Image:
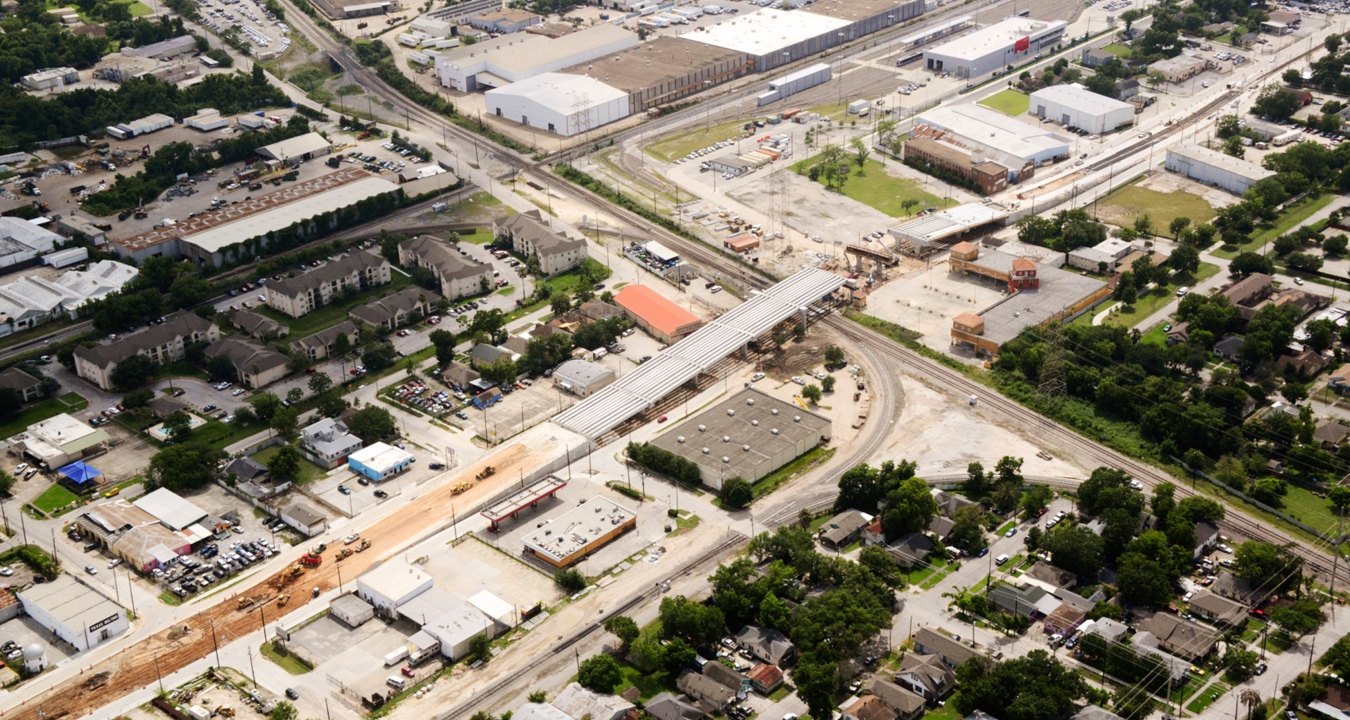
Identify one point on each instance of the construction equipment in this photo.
(460, 487)
(485, 473)
(311, 560)
(344, 553)
(97, 680)
(364, 544)
(282, 600)
(225, 711)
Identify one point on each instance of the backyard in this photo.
(1301, 504)
(1123, 205)
(39, 411)
(1008, 102)
(873, 186)
(1120, 51)
(309, 472)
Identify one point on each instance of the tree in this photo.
(834, 357)
(1267, 566)
(736, 493)
(860, 153)
(266, 405)
(880, 563)
(480, 648)
(1250, 262)
(295, 394)
(1335, 246)
(909, 508)
(1034, 500)
(700, 625)
(6, 483)
(378, 356)
(319, 383)
(283, 710)
(1240, 663)
(133, 372)
(1185, 259)
(444, 341)
(1076, 549)
(624, 628)
(184, 466)
(570, 580)
(500, 372)
(600, 673)
(1299, 617)
(177, 425)
(811, 393)
(977, 482)
(284, 466)
(1276, 102)
(968, 529)
(774, 613)
(1032, 687)
(827, 384)
(371, 423)
(285, 422)
(329, 405)
(1142, 581)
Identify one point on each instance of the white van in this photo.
(1001, 559)
(397, 682)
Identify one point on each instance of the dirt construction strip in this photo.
(132, 669)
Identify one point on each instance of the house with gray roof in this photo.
(1181, 637)
(459, 376)
(582, 377)
(164, 343)
(906, 704)
(1095, 712)
(725, 675)
(910, 550)
(328, 442)
(926, 675)
(485, 354)
(765, 644)
(842, 529)
(1217, 609)
(28, 387)
(258, 325)
(709, 695)
(323, 344)
(928, 641)
(254, 365)
(400, 308)
(459, 275)
(1024, 600)
(351, 273)
(666, 706)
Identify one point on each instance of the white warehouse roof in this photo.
(995, 130)
(297, 146)
(170, 508)
(1080, 98)
(994, 38)
(395, 579)
(71, 602)
(767, 30)
(705, 347)
(565, 94)
(1214, 158)
(380, 456)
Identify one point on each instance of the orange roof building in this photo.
(656, 315)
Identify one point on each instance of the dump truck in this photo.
(311, 560)
(485, 473)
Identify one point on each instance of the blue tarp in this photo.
(81, 473)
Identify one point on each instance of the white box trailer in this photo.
(408, 39)
(859, 107)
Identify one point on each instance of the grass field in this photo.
(1008, 102)
(1302, 505)
(288, 662)
(39, 411)
(1288, 220)
(1208, 696)
(477, 237)
(1120, 51)
(309, 472)
(1124, 204)
(1153, 300)
(882, 191)
(680, 145)
(55, 499)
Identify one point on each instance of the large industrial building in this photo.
(392, 584)
(988, 136)
(222, 236)
(32, 300)
(657, 316)
(664, 70)
(148, 533)
(515, 57)
(561, 104)
(22, 240)
(1212, 167)
(1074, 106)
(571, 537)
(748, 435)
(74, 612)
(1037, 295)
(995, 48)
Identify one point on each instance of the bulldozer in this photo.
(283, 599)
(460, 487)
(485, 473)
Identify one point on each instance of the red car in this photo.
(661, 419)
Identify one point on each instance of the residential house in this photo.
(28, 387)
(1180, 637)
(910, 550)
(324, 344)
(765, 678)
(314, 288)
(907, 705)
(164, 343)
(709, 695)
(725, 675)
(872, 533)
(246, 469)
(254, 365)
(1126, 89)
(1096, 57)
(1029, 601)
(1206, 538)
(1064, 619)
(765, 644)
(1146, 642)
(257, 325)
(665, 706)
(484, 354)
(579, 702)
(1057, 576)
(1339, 380)
(400, 308)
(926, 675)
(1235, 588)
(1305, 364)
(843, 529)
(459, 276)
(868, 707)
(941, 528)
(1230, 348)
(165, 405)
(1329, 434)
(531, 236)
(459, 376)
(952, 652)
(1217, 609)
(1109, 630)
(949, 503)
(1094, 712)
(1247, 293)
(328, 442)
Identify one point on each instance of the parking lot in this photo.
(24, 631)
(268, 36)
(352, 658)
(343, 489)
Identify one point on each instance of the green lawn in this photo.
(288, 662)
(335, 312)
(1122, 205)
(55, 500)
(218, 434)
(1301, 504)
(138, 9)
(309, 472)
(482, 236)
(1288, 220)
(1153, 300)
(39, 411)
(882, 191)
(1120, 51)
(946, 712)
(775, 479)
(671, 148)
(564, 283)
(1155, 336)
(1208, 696)
(1008, 102)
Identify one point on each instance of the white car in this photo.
(20, 467)
(238, 391)
(757, 377)
(91, 569)
(6, 571)
(799, 379)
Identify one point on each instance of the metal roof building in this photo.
(392, 584)
(570, 537)
(74, 612)
(170, 508)
(514, 57)
(298, 148)
(562, 104)
(1011, 142)
(1215, 168)
(705, 347)
(1075, 106)
(995, 47)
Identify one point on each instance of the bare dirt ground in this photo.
(126, 672)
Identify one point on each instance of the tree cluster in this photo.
(664, 462)
(1066, 230)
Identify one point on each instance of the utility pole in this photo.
(215, 645)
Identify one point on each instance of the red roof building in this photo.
(656, 315)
